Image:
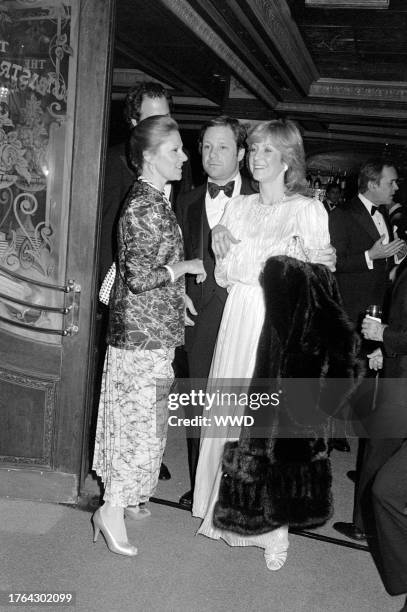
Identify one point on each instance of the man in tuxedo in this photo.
(363, 241)
(222, 146)
(332, 198)
(385, 460)
(365, 255)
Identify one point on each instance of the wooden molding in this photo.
(38, 485)
(391, 91)
(278, 24)
(128, 77)
(317, 109)
(367, 129)
(27, 395)
(249, 26)
(183, 11)
(373, 138)
(348, 4)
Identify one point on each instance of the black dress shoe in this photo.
(339, 444)
(350, 531)
(186, 500)
(164, 472)
(351, 475)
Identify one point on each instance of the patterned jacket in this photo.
(146, 308)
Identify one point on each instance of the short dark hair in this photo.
(238, 129)
(148, 135)
(136, 95)
(331, 186)
(371, 170)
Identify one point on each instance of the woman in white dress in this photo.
(277, 221)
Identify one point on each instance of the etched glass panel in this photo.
(37, 66)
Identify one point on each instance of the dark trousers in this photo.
(372, 455)
(362, 405)
(389, 503)
(199, 356)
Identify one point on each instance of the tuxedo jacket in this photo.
(353, 232)
(386, 426)
(393, 388)
(208, 297)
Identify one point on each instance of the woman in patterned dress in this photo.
(146, 323)
(279, 220)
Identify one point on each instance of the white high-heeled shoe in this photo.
(120, 548)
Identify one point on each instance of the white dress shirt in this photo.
(379, 222)
(215, 206)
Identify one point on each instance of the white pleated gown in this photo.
(263, 231)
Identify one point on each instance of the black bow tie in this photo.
(374, 209)
(213, 189)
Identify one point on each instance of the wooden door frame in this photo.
(95, 55)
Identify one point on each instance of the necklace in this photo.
(273, 202)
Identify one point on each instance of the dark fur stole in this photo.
(279, 471)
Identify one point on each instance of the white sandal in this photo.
(275, 559)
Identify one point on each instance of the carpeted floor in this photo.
(49, 548)
(176, 570)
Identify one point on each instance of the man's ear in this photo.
(240, 154)
(372, 185)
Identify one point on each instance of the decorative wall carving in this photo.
(355, 90)
(316, 108)
(350, 4)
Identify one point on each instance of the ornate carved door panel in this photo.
(54, 60)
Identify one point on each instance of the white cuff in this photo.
(369, 261)
(171, 272)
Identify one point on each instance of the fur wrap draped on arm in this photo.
(279, 471)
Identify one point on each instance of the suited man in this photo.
(333, 194)
(222, 145)
(365, 254)
(362, 239)
(385, 459)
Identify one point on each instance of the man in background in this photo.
(365, 252)
(144, 100)
(333, 194)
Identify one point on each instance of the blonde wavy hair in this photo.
(285, 136)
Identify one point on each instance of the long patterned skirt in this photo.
(132, 423)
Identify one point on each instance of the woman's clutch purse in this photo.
(297, 249)
(106, 287)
